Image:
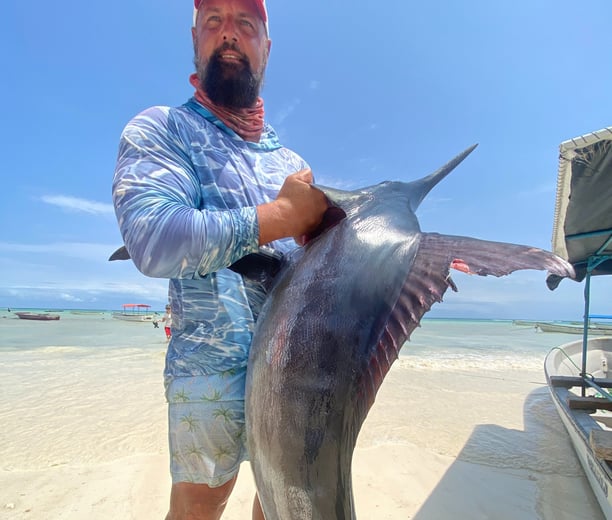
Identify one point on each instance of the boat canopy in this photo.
(582, 227)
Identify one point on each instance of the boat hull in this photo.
(562, 368)
(37, 316)
(133, 317)
(566, 328)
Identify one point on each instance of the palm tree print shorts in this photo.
(206, 427)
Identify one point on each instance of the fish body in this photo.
(337, 314)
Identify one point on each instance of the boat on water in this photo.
(594, 329)
(524, 323)
(134, 312)
(578, 373)
(38, 316)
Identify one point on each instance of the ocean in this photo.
(479, 345)
(57, 367)
(88, 390)
(88, 377)
(438, 343)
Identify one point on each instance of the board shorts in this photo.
(206, 430)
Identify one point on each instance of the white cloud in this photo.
(70, 298)
(76, 292)
(82, 250)
(75, 204)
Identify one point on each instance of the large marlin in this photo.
(338, 313)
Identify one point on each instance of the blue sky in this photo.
(365, 91)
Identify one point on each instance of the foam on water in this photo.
(476, 345)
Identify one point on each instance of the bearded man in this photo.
(197, 188)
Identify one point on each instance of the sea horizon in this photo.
(11, 309)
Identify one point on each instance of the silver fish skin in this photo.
(334, 321)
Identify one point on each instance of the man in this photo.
(196, 188)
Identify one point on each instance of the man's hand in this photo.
(297, 210)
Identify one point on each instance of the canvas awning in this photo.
(582, 228)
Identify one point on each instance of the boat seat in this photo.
(601, 443)
(570, 381)
(589, 403)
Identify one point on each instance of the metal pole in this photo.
(585, 331)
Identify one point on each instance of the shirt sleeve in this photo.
(157, 199)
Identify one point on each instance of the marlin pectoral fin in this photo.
(482, 257)
(429, 278)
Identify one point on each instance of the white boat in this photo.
(37, 316)
(134, 312)
(571, 328)
(578, 373)
(524, 323)
(585, 410)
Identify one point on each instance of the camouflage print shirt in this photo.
(185, 192)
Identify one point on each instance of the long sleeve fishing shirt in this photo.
(185, 192)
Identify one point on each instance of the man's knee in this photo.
(198, 501)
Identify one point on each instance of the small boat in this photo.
(574, 328)
(524, 323)
(578, 373)
(134, 312)
(585, 409)
(39, 316)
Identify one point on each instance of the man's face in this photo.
(231, 51)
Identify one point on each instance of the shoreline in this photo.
(436, 445)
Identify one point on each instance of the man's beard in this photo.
(226, 84)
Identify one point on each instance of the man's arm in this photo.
(156, 196)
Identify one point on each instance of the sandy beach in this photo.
(84, 436)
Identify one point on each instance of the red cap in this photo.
(260, 5)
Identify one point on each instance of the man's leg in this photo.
(257, 512)
(199, 501)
